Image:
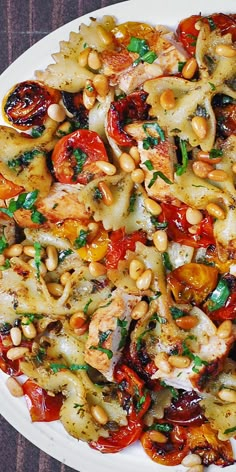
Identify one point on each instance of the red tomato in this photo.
(75, 155)
(178, 226)
(8, 189)
(27, 103)
(6, 365)
(41, 406)
(185, 410)
(133, 107)
(228, 312)
(120, 243)
(188, 34)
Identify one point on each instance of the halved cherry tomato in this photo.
(97, 248)
(6, 365)
(120, 243)
(185, 410)
(75, 155)
(228, 312)
(75, 105)
(41, 406)
(178, 226)
(27, 103)
(187, 33)
(133, 107)
(8, 189)
(125, 31)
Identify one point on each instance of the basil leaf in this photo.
(132, 201)
(158, 224)
(81, 240)
(164, 427)
(156, 174)
(230, 430)
(215, 153)
(149, 164)
(166, 261)
(219, 296)
(85, 309)
(140, 46)
(38, 217)
(37, 257)
(180, 169)
(3, 244)
(80, 158)
(108, 352)
(177, 313)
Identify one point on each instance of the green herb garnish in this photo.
(3, 244)
(80, 158)
(123, 331)
(230, 430)
(181, 169)
(164, 427)
(213, 87)
(177, 313)
(166, 261)
(219, 296)
(132, 201)
(97, 194)
(215, 153)
(102, 338)
(158, 224)
(63, 254)
(181, 66)
(37, 258)
(23, 160)
(6, 265)
(81, 240)
(85, 309)
(160, 174)
(156, 127)
(37, 131)
(148, 164)
(173, 391)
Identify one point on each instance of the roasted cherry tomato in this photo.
(185, 410)
(170, 453)
(178, 227)
(133, 107)
(6, 365)
(95, 249)
(187, 33)
(225, 113)
(125, 31)
(8, 189)
(75, 105)
(120, 243)
(27, 103)
(228, 312)
(41, 406)
(74, 157)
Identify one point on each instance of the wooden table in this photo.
(22, 23)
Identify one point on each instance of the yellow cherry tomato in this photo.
(97, 248)
(125, 31)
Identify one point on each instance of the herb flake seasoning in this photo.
(80, 158)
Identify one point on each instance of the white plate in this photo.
(51, 437)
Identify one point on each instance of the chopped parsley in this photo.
(85, 309)
(23, 160)
(80, 158)
(213, 87)
(173, 391)
(56, 367)
(163, 427)
(181, 66)
(132, 201)
(215, 153)
(197, 361)
(177, 313)
(219, 296)
(156, 127)
(141, 47)
(97, 194)
(81, 240)
(158, 224)
(103, 336)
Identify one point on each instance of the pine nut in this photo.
(55, 289)
(218, 175)
(30, 251)
(77, 320)
(88, 101)
(52, 260)
(134, 152)
(191, 459)
(16, 353)
(193, 217)
(158, 437)
(105, 36)
(193, 229)
(144, 280)
(139, 310)
(15, 334)
(28, 329)
(101, 85)
(14, 387)
(64, 278)
(225, 50)
(56, 112)
(13, 251)
(94, 61)
(96, 269)
(227, 395)
(196, 468)
(200, 126)
(93, 228)
(187, 322)
(181, 362)
(201, 169)
(136, 268)
(42, 267)
(83, 57)
(225, 329)
(153, 207)
(138, 176)
(160, 240)
(167, 99)
(127, 163)
(234, 168)
(190, 68)
(161, 361)
(99, 414)
(204, 156)
(106, 167)
(215, 211)
(107, 196)
(198, 25)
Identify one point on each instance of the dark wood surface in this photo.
(22, 23)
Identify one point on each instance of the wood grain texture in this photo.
(22, 23)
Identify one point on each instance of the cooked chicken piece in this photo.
(107, 332)
(7, 229)
(136, 76)
(170, 52)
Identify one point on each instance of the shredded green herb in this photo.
(219, 296)
(3, 244)
(37, 131)
(215, 153)
(230, 430)
(81, 240)
(173, 391)
(97, 195)
(166, 261)
(141, 47)
(158, 224)
(164, 427)
(80, 158)
(6, 265)
(162, 176)
(213, 87)
(23, 160)
(102, 338)
(132, 201)
(181, 169)
(63, 254)
(181, 66)
(123, 331)
(177, 313)
(85, 309)
(211, 23)
(148, 164)
(37, 258)
(158, 318)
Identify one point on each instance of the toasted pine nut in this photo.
(88, 101)
(167, 99)
(105, 36)
(198, 25)
(99, 414)
(134, 152)
(187, 322)
(144, 280)
(139, 310)
(181, 362)
(14, 387)
(138, 176)
(14, 250)
(64, 278)
(93, 228)
(106, 167)
(107, 196)
(127, 163)
(226, 394)
(56, 112)
(191, 459)
(225, 50)
(101, 84)
(200, 126)
(42, 267)
(161, 361)
(215, 211)
(193, 229)
(225, 329)
(153, 207)
(201, 169)
(218, 175)
(204, 156)
(55, 289)
(96, 269)
(16, 353)
(193, 216)
(94, 61)
(83, 57)
(234, 168)
(52, 258)
(160, 240)
(77, 320)
(28, 329)
(190, 68)
(158, 437)
(16, 336)
(90, 90)
(136, 268)
(30, 251)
